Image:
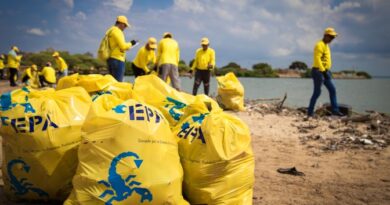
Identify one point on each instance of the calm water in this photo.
(373, 94)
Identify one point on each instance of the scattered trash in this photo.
(291, 171)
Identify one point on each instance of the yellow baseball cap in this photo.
(204, 41)
(2, 56)
(15, 48)
(123, 19)
(55, 54)
(167, 34)
(34, 67)
(330, 31)
(152, 43)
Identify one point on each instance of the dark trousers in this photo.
(25, 79)
(13, 73)
(202, 76)
(116, 68)
(2, 74)
(320, 78)
(137, 71)
(44, 82)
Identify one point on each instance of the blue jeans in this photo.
(326, 79)
(116, 68)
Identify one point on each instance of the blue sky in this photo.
(243, 31)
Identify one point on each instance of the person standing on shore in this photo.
(118, 47)
(145, 56)
(203, 64)
(2, 58)
(168, 56)
(61, 65)
(13, 65)
(321, 74)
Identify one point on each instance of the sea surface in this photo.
(361, 95)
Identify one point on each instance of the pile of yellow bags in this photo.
(216, 155)
(131, 144)
(127, 156)
(230, 92)
(41, 132)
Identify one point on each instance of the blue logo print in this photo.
(120, 189)
(22, 186)
(175, 105)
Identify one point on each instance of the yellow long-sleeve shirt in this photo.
(204, 58)
(13, 60)
(27, 72)
(49, 74)
(61, 64)
(143, 58)
(168, 52)
(322, 58)
(1, 64)
(117, 43)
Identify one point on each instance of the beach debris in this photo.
(290, 171)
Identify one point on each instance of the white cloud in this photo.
(281, 52)
(69, 3)
(189, 6)
(37, 32)
(81, 16)
(122, 5)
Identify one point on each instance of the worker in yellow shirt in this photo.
(61, 65)
(2, 58)
(13, 64)
(203, 63)
(146, 55)
(118, 47)
(47, 76)
(322, 62)
(168, 56)
(29, 74)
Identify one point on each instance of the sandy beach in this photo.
(343, 162)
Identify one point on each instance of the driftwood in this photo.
(361, 118)
(280, 105)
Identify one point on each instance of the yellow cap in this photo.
(123, 19)
(15, 48)
(34, 67)
(55, 54)
(152, 43)
(204, 41)
(330, 31)
(167, 34)
(2, 56)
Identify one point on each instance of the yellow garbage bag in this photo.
(128, 155)
(9, 99)
(216, 155)
(41, 134)
(154, 91)
(68, 81)
(230, 92)
(95, 82)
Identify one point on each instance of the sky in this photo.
(277, 32)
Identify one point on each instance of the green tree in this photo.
(298, 65)
(183, 67)
(264, 70)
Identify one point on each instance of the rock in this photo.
(366, 142)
